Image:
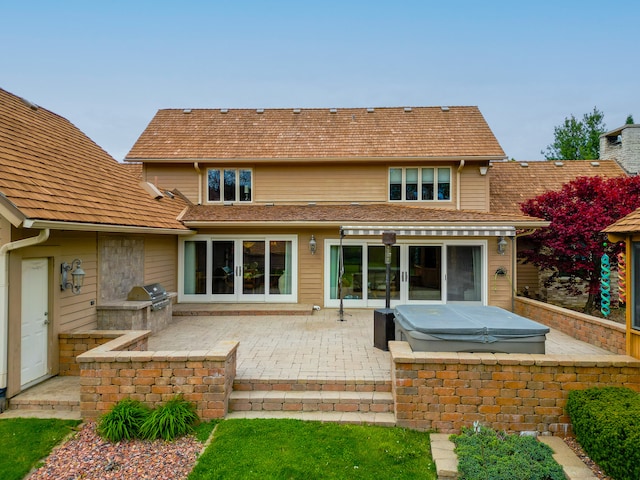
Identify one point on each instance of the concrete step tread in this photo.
(312, 396)
(383, 419)
(50, 413)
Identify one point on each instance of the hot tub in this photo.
(467, 328)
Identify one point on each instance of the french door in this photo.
(251, 269)
(419, 273)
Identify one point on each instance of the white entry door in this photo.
(35, 321)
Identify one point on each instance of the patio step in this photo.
(358, 418)
(344, 406)
(57, 397)
(311, 385)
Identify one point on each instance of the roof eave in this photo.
(354, 159)
(10, 211)
(102, 227)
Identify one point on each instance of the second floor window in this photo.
(229, 185)
(420, 184)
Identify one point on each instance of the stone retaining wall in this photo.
(119, 368)
(595, 331)
(513, 392)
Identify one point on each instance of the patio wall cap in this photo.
(401, 352)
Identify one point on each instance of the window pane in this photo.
(253, 267)
(195, 268)
(377, 272)
(425, 276)
(464, 273)
(395, 184)
(411, 184)
(352, 276)
(223, 266)
(280, 267)
(427, 184)
(229, 185)
(213, 180)
(444, 185)
(245, 185)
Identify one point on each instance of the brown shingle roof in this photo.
(317, 133)
(628, 224)
(512, 183)
(51, 171)
(341, 214)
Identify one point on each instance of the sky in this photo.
(108, 66)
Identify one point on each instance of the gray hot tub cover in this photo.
(473, 323)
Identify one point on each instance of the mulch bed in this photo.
(87, 456)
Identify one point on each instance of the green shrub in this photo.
(606, 422)
(171, 420)
(486, 454)
(123, 421)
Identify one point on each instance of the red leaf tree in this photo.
(573, 244)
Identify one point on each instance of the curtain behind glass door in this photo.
(464, 273)
(195, 267)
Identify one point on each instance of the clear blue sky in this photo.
(108, 66)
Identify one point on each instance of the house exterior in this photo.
(65, 202)
(289, 205)
(513, 183)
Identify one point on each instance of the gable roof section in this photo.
(235, 134)
(512, 183)
(51, 172)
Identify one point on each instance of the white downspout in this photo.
(458, 189)
(4, 305)
(197, 167)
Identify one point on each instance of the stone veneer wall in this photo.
(119, 368)
(444, 391)
(595, 331)
(74, 344)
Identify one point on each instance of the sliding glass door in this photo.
(257, 269)
(433, 272)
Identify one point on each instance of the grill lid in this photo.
(153, 292)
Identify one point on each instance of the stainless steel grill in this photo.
(154, 292)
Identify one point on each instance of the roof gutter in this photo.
(43, 236)
(458, 189)
(197, 168)
(101, 227)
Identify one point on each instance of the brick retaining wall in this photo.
(595, 331)
(513, 392)
(117, 368)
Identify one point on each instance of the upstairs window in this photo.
(229, 185)
(420, 184)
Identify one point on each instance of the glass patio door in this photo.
(239, 270)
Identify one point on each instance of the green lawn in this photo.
(292, 449)
(26, 441)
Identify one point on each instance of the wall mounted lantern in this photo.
(502, 245)
(77, 275)
(313, 245)
(483, 170)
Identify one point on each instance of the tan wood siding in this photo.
(500, 286)
(474, 193)
(311, 268)
(328, 183)
(160, 261)
(182, 177)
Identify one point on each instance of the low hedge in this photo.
(606, 422)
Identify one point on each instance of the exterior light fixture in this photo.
(77, 275)
(313, 245)
(483, 170)
(502, 245)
